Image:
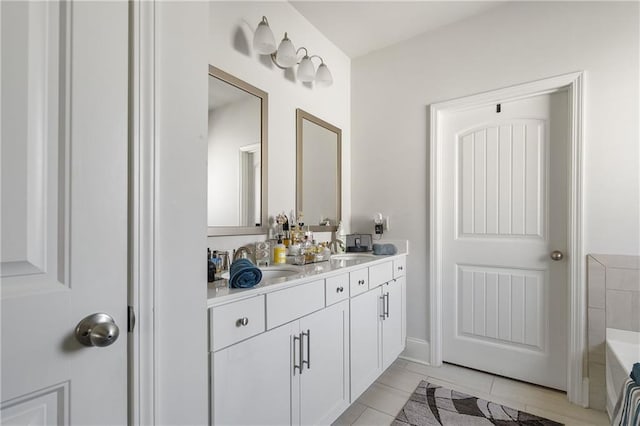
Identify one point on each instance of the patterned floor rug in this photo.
(435, 405)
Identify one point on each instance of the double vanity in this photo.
(307, 341)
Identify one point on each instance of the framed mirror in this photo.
(318, 172)
(237, 156)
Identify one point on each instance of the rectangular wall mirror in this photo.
(237, 160)
(318, 174)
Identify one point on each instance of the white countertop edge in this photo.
(312, 272)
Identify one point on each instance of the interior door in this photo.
(505, 298)
(64, 84)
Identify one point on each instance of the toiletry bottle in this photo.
(217, 262)
(211, 268)
(286, 239)
(280, 253)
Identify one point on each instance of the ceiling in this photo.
(360, 27)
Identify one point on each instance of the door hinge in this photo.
(131, 319)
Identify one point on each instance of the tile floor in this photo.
(379, 404)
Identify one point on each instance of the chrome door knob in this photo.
(97, 330)
(556, 255)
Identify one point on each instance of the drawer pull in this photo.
(241, 322)
(360, 282)
(400, 268)
(339, 289)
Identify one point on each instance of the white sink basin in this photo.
(352, 256)
(278, 271)
(270, 272)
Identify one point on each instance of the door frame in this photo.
(143, 369)
(167, 369)
(577, 391)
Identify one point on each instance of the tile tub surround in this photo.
(613, 283)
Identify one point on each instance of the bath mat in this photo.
(434, 405)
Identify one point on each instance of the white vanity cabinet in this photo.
(301, 353)
(296, 373)
(251, 380)
(393, 338)
(324, 381)
(366, 364)
(377, 327)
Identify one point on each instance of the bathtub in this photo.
(622, 351)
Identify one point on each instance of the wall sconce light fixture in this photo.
(286, 56)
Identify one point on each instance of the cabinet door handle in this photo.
(387, 308)
(299, 367)
(382, 315)
(339, 289)
(361, 282)
(308, 361)
(241, 322)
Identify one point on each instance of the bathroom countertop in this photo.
(308, 273)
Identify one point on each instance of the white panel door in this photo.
(505, 299)
(64, 149)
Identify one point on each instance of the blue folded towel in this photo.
(244, 274)
(384, 249)
(635, 373)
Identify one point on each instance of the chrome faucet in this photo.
(337, 246)
(243, 252)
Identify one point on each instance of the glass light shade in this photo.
(323, 76)
(306, 71)
(263, 41)
(286, 55)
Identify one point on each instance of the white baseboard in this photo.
(585, 403)
(416, 350)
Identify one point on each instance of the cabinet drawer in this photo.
(399, 267)
(359, 281)
(295, 302)
(380, 274)
(336, 288)
(236, 321)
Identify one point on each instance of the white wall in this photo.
(511, 44)
(179, 296)
(231, 28)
